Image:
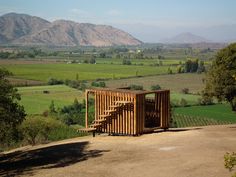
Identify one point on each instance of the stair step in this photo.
(104, 115)
(110, 111)
(115, 106)
(95, 125)
(123, 102)
(100, 120)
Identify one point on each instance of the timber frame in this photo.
(126, 112)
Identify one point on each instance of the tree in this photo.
(221, 77)
(11, 113)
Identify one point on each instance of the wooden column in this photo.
(86, 104)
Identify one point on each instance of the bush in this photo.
(72, 114)
(230, 161)
(183, 102)
(53, 81)
(98, 84)
(40, 130)
(80, 85)
(185, 91)
(205, 100)
(126, 62)
(136, 87)
(156, 87)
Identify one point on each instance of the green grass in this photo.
(218, 112)
(190, 121)
(191, 99)
(35, 101)
(43, 72)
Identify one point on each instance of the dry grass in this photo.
(174, 82)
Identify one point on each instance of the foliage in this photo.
(98, 84)
(71, 114)
(126, 62)
(185, 91)
(11, 113)
(230, 161)
(80, 85)
(183, 103)
(136, 87)
(38, 129)
(221, 78)
(53, 81)
(192, 66)
(52, 108)
(205, 100)
(156, 87)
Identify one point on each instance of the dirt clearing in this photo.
(176, 153)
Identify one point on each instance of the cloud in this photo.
(114, 12)
(79, 12)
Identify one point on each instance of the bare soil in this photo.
(193, 152)
(194, 82)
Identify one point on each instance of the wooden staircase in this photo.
(106, 116)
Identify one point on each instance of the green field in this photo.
(219, 112)
(43, 72)
(35, 101)
(191, 99)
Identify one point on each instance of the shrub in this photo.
(183, 102)
(230, 161)
(126, 62)
(156, 87)
(205, 100)
(136, 87)
(40, 130)
(98, 84)
(53, 81)
(185, 91)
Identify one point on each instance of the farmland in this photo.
(35, 101)
(149, 70)
(42, 72)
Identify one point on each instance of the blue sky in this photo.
(164, 15)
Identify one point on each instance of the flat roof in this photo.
(137, 92)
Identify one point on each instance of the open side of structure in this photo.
(126, 112)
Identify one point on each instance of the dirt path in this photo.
(180, 153)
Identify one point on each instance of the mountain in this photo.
(24, 29)
(13, 26)
(185, 38)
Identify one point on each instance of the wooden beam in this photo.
(86, 104)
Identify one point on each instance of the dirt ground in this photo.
(193, 152)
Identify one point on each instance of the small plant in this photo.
(156, 87)
(136, 87)
(183, 102)
(185, 91)
(230, 162)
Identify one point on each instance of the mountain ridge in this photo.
(23, 29)
(185, 38)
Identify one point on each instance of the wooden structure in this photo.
(126, 112)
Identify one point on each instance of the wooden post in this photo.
(86, 104)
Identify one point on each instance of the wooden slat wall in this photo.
(121, 122)
(130, 119)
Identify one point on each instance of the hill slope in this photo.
(185, 38)
(24, 29)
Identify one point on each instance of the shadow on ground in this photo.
(24, 162)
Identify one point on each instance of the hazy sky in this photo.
(170, 16)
